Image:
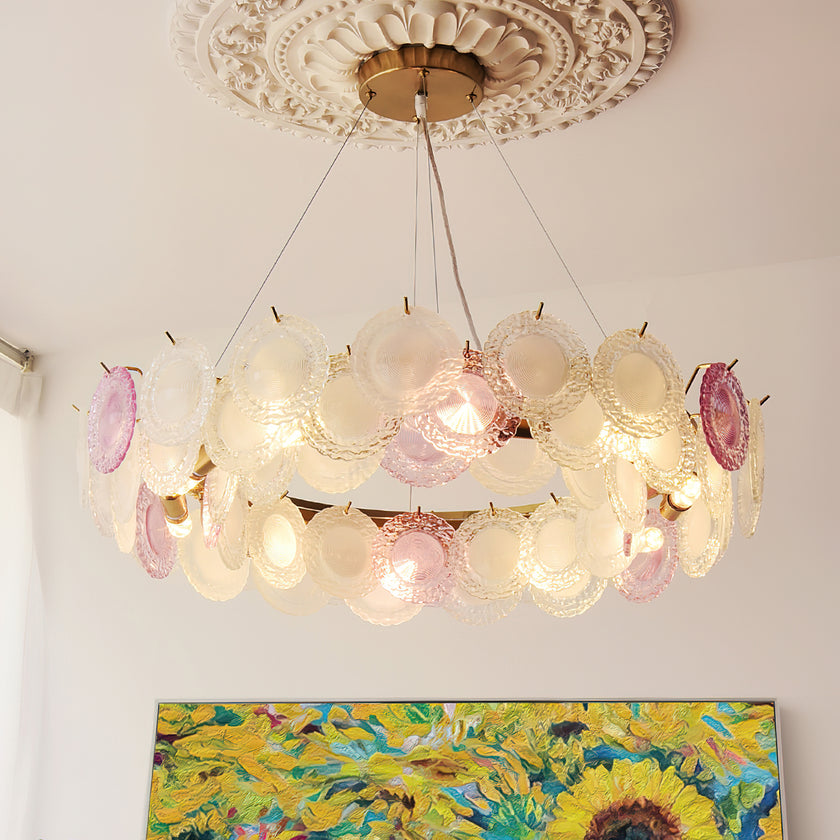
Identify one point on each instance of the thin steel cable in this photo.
(448, 230)
(416, 213)
(434, 237)
(539, 220)
(294, 231)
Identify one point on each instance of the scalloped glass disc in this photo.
(204, 568)
(382, 608)
(627, 492)
(83, 460)
(304, 599)
(469, 422)
(602, 543)
(572, 600)
(549, 541)
(411, 557)
(518, 468)
(113, 411)
(217, 498)
(487, 554)
(167, 470)
(713, 477)
(154, 546)
(100, 502)
(587, 487)
(668, 460)
(573, 440)
(343, 423)
(337, 551)
(703, 532)
(232, 542)
(411, 459)
(279, 369)
(726, 421)
(175, 395)
(329, 476)
(233, 440)
(468, 609)
(406, 364)
(751, 475)
(652, 569)
(274, 531)
(272, 479)
(536, 367)
(125, 533)
(125, 485)
(638, 384)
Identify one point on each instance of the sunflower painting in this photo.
(497, 771)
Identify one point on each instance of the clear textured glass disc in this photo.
(217, 498)
(751, 475)
(274, 531)
(304, 599)
(83, 460)
(574, 440)
(518, 468)
(272, 479)
(100, 502)
(587, 487)
(571, 600)
(667, 461)
(176, 393)
(652, 569)
(703, 532)
(232, 541)
(536, 367)
(627, 492)
(204, 568)
(725, 417)
(279, 369)
(125, 485)
(550, 543)
(154, 546)
(167, 470)
(638, 384)
(406, 364)
(380, 607)
(411, 557)
(411, 459)
(330, 476)
(603, 545)
(469, 609)
(337, 551)
(113, 411)
(713, 477)
(487, 554)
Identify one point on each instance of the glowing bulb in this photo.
(688, 495)
(181, 529)
(652, 539)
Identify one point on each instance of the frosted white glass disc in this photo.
(175, 395)
(278, 369)
(519, 467)
(380, 607)
(404, 363)
(536, 367)
(638, 384)
(304, 599)
(751, 474)
(703, 532)
(667, 461)
(232, 542)
(713, 477)
(166, 470)
(479, 611)
(274, 531)
(603, 545)
(125, 533)
(272, 479)
(550, 542)
(573, 599)
(217, 498)
(337, 551)
(588, 487)
(627, 492)
(207, 572)
(332, 476)
(125, 482)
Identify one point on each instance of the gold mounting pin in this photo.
(283, 495)
(405, 306)
(347, 508)
(418, 510)
(73, 405)
(107, 369)
(694, 375)
(348, 349)
(492, 509)
(539, 311)
(760, 402)
(642, 330)
(274, 313)
(135, 369)
(732, 364)
(169, 336)
(554, 499)
(467, 347)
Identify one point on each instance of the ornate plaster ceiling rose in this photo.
(294, 64)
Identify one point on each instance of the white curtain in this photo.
(21, 613)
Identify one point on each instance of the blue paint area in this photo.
(717, 726)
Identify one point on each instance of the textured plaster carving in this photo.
(292, 64)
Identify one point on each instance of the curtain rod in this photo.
(21, 358)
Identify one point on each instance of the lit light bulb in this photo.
(652, 539)
(688, 495)
(181, 529)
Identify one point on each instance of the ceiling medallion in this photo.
(297, 65)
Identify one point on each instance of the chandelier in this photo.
(190, 463)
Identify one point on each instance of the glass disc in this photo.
(232, 542)
(272, 479)
(627, 492)
(411, 557)
(713, 477)
(703, 532)
(279, 369)
(536, 367)
(337, 551)
(343, 424)
(304, 599)
(113, 411)
(274, 531)
(667, 461)
(204, 568)
(572, 600)
(380, 607)
(125, 485)
(518, 468)
(100, 502)
(574, 440)
(549, 543)
(83, 460)
(217, 497)
(329, 476)
(602, 543)
(411, 459)
(154, 546)
(468, 609)
(587, 487)
(726, 421)
(751, 475)
(175, 395)
(234, 441)
(406, 364)
(167, 470)
(638, 384)
(652, 569)
(469, 422)
(487, 555)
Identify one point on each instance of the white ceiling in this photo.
(127, 195)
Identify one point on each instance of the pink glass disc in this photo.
(725, 416)
(154, 546)
(650, 572)
(411, 459)
(411, 557)
(113, 412)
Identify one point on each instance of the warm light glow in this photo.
(181, 529)
(688, 495)
(652, 539)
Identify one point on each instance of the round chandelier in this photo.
(190, 464)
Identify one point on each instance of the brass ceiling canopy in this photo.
(453, 82)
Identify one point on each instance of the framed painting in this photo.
(698, 770)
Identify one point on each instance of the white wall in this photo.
(763, 624)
